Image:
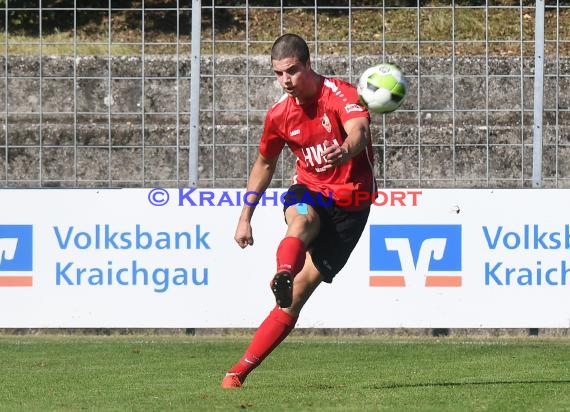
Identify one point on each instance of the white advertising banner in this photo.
(166, 258)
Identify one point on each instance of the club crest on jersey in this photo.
(326, 123)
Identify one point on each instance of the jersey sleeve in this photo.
(272, 141)
(351, 108)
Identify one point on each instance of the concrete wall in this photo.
(72, 132)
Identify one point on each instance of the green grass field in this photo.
(304, 373)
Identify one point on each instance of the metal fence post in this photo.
(194, 95)
(538, 94)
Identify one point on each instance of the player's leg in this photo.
(276, 327)
(305, 283)
(295, 272)
(303, 225)
(331, 249)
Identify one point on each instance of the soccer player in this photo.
(327, 206)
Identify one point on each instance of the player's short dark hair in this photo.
(290, 45)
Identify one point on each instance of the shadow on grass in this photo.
(474, 383)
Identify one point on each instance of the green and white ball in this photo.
(382, 88)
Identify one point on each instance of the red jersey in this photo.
(305, 127)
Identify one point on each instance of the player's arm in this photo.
(358, 136)
(259, 179)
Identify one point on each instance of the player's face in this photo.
(293, 76)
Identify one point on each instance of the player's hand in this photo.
(334, 155)
(243, 235)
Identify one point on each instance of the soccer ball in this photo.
(382, 88)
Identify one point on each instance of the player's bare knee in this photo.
(303, 222)
(299, 224)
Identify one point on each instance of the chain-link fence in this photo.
(97, 93)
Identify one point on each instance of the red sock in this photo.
(270, 333)
(291, 254)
